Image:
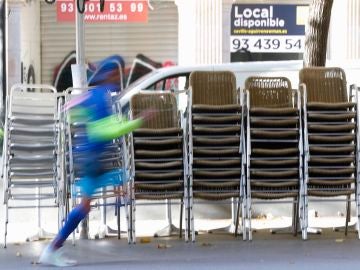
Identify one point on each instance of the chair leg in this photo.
(295, 215)
(118, 204)
(243, 218)
(192, 220)
(306, 216)
(357, 201)
(6, 219)
(237, 217)
(186, 236)
(181, 217)
(133, 222)
(348, 206)
(249, 221)
(128, 220)
(188, 221)
(301, 211)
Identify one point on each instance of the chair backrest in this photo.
(269, 91)
(213, 87)
(163, 103)
(32, 103)
(324, 84)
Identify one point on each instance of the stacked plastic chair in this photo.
(274, 144)
(216, 139)
(158, 155)
(111, 160)
(331, 138)
(32, 157)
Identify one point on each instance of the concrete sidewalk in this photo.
(331, 250)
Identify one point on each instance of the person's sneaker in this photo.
(55, 258)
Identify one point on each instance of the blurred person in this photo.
(101, 126)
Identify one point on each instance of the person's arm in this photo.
(111, 127)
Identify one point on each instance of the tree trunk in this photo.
(317, 33)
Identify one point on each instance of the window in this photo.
(173, 82)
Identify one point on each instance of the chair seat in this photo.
(215, 196)
(31, 183)
(33, 119)
(32, 159)
(233, 140)
(269, 184)
(205, 108)
(216, 152)
(143, 132)
(273, 174)
(215, 119)
(32, 146)
(274, 122)
(330, 106)
(158, 165)
(333, 172)
(274, 134)
(227, 163)
(330, 193)
(274, 163)
(332, 150)
(332, 161)
(165, 186)
(46, 173)
(216, 185)
(166, 143)
(158, 154)
(330, 182)
(218, 174)
(331, 117)
(331, 128)
(332, 138)
(147, 176)
(273, 111)
(274, 195)
(158, 196)
(275, 152)
(216, 130)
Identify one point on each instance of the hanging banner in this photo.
(114, 11)
(268, 28)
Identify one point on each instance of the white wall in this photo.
(344, 32)
(200, 31)
(23, 40)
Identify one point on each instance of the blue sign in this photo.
(268, 28)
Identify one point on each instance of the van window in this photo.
(173, 82)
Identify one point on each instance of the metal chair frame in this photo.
(19, 123)
(238, 200)
(353, 97)
(297, 202)
(129, 153)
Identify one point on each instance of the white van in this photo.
(164, 78)
(177, 77)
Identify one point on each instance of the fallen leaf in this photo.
(206, 244)
(163, 246)
(340, 240)
(145, 240)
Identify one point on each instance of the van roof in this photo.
(238, 66)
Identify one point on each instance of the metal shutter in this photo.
(157, 39)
